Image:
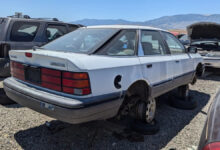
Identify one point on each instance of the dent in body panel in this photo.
(102, 80)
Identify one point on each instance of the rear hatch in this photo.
(57, 71)
(50, 59)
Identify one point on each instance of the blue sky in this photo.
(134, 10)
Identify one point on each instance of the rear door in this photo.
(155, 59)
(182, 62)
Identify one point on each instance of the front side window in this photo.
(82, 40)
(55, 31)
(174, 45)
(152, 43)
(122, 45)
(24, 31)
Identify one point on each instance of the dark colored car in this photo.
(210, 139)
(25, 32)
(206, 37)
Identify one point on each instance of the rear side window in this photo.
(55, 31)
(24, 31)
(122, 45)
(152, 43)
(174, 45)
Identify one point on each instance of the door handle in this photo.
(149, 65)
(177, 61)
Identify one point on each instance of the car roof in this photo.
(126, 27)
(38, 20)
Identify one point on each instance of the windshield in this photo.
(82, 40)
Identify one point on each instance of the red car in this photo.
(210, 139)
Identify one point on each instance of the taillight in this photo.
(76, 83)
(212, 146)
(51, 79)
(67, 82)
(17, 70)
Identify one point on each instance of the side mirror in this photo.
(192, 49)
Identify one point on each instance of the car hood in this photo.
(204, 31)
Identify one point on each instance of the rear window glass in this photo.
(24, 31)
(82, 40)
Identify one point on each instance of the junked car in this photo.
(99, 72)
(206, 37)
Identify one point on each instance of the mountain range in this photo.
(166, 22)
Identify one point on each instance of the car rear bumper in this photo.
(212, 62)
(60, 107)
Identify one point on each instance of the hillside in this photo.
(166, 22)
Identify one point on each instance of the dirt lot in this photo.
(22, 128)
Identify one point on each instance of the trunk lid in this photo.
(49, 59)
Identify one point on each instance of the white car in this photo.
(99, 72)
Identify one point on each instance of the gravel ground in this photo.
(22, 128)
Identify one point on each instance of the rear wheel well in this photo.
(138, 91)
(139, 88)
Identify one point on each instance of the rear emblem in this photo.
(57, 64)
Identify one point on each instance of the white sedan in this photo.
(99, 72)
